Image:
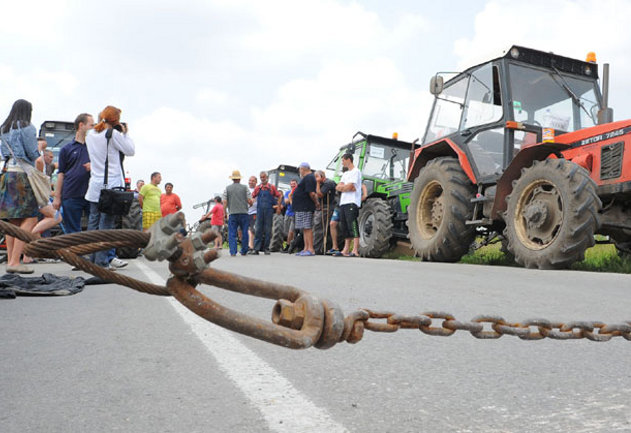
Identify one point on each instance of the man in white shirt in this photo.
(350, 200)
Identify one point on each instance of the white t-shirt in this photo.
(353, 176)
(252, 209)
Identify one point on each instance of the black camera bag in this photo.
(113, 201)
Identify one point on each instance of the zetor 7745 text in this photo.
(523, 145)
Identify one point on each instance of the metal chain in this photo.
(532, 329)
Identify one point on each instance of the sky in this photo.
(211, 86)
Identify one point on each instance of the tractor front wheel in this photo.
(278, 233)
(552, 214)
(133, 221)
(440, 205)
(375, 228)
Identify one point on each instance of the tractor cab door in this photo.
(470, 112)
(483, 126)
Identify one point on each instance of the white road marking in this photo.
(283, 407)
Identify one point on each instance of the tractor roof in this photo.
(285, 167)
(383, 140)
(57, 124)
(545, 60)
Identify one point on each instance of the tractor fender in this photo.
(525, 158)
(437, 149)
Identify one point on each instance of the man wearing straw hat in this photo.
(237, 198)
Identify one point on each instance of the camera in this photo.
(121, 127)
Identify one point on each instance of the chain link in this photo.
(532, 329)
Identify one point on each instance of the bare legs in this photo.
(15, 247)
(333, 227)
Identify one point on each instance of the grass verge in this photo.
(599, 258)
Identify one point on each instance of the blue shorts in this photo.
(336, 215)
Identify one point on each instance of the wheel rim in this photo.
(365, 229)
(430, 210)
(539, 215)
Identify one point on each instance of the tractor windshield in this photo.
(551, 99)
(382, 161)
(281, 179)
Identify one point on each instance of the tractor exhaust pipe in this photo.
(605, 114)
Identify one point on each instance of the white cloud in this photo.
(30, 21)
(211, 96)
(288, 26)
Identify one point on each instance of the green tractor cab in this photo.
(384, 164)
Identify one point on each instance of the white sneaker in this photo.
(117, 263)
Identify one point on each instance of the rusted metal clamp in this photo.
(299, 320)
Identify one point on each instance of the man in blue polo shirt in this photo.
(73, 176)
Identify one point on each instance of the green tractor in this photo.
(384, 164)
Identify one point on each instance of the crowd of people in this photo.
(315, 208)
(91, 162)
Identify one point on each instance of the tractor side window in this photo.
(487, 148)
(484, 101)
(447, 111)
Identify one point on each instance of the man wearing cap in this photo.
(268, 198)
(304, 202)
(237, 198)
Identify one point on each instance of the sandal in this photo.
(332, 252)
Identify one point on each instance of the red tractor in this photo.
(524, 146)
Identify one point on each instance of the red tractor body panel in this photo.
(442, 147)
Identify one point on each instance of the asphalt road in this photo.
(111, 359)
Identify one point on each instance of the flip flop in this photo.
(352, 255)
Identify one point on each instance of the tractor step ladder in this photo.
(477, 200)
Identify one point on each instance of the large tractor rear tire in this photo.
(375, 228)
(552, 215)
(440, 204)
(132, 221)
(278, 233)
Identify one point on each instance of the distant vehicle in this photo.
(57, 134)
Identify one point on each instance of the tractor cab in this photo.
(489, 112)
(57, 135)
(281, 176)
(382, 161)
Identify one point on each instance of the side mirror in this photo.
(436, 85)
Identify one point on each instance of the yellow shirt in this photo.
(150, 198)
